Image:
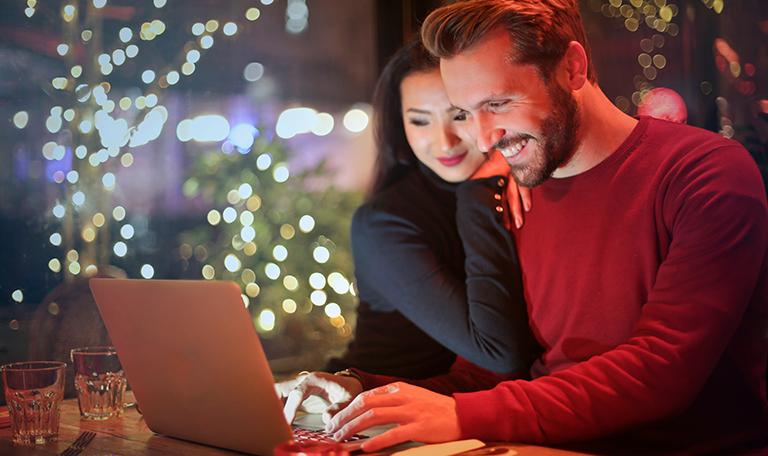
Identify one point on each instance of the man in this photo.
(644, 259)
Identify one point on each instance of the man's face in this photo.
(532, 122)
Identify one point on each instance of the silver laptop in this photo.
(194, 361)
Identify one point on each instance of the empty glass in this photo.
(33, 391)
(99, 382)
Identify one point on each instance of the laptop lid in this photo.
(194, 361)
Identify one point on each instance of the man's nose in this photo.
(487, 134)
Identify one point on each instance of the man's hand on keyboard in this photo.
(336, 390)
(421, 415)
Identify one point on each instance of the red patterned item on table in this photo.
(293, 448)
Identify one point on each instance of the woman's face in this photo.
(435, 130)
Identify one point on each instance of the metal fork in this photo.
(79, 445)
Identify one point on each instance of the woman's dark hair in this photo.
(394, 155)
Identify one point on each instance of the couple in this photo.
(644, 264)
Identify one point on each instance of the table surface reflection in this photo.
(129, 436)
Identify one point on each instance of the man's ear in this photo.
(574, 65)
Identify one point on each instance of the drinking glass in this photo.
(99, 382)
(33, 392)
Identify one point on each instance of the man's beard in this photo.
(557, 143)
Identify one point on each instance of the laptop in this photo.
(195, 363)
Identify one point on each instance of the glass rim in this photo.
(94, 350)
(33, 366)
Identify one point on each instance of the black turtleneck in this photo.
(437, 276)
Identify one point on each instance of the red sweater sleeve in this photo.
(463, 376)
(716, 260)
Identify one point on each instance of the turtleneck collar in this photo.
(436, 180)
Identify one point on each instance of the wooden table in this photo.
(130, 436)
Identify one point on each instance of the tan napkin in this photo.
(442, 449)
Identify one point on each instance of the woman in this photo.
(436, 269)
(410, 238)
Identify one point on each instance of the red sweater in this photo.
(646, 282)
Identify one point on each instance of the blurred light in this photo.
(127, 159)
(246, 301)
(266, 2)
(132, 51)
(159, 3)
(232, 263)
(59, 83)
(332, 310)
(187, 68)
(229, 214)
(287, 231)
(54, 265)
(323, 124)
(98, 219)
(55, 239)
(120, 249)
(263, 162)
(248, 276)
(280, 253)
(253, 203)
(272, 271)
(62, 49)
(88, 234)
(86, 126)
(118, 56)
(20, 119)
(247, 234)
(289, 306)
(252, 14)
(267, 320)
(78, 198)
(148, 76)
(173, 77)
(147, 271)
(318, 297)
(157, 27)
(127, 231)
(253, 71)
(252, 290)
(208, 272)
(338, 282)
(209, 128)
(69, 115)
(29, 12)
(242, 136)
(230, 28)
(294, 121)
(184, 130)
(73, 176)
(125, 34)
(151, 100)
(81, 152)
(290, 283)
(214, 218)
(355, 120)
(246, 217)
(212, 25)
(99, 3)
(198, 29)
(118, 213)
(86, 35)
(233, 197)
(206, 42)
(108, 180)
(91, 270)
(58, 211)
(72, 255)
(306, 223)
(281, 173)
(317, 281)
(74, 268)
(321, 254)
(193, 56)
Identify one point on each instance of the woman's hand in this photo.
(333, 392)
(517, 199)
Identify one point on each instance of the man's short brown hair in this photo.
(540, 30)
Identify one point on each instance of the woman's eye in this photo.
(418, 122)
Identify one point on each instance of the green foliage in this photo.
(268, 214)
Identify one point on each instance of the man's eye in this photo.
(460, 116)
(497, 104)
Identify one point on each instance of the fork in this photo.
(79, 445)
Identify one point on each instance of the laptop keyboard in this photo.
(302, 435)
